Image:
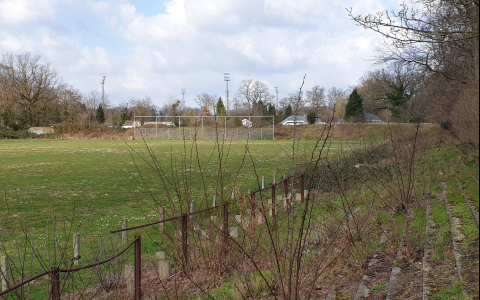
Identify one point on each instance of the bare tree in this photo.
(416, 31)
(142, 106)
(316, 98)
(338, 98)
(34, 84)
(251, 92)
(442, 38)
(393, 88)
(205, 100)
(69, 98)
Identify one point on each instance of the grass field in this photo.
(103, 178)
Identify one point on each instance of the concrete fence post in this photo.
(4, 272)
(185, 242)
(234, 232)
(161, 217)
(274, 207)
(225, 226)
(124, 233)
(302, 188)
(214, 201)
(76, 248)
(130, 277)
(138, 268)
(263, 182)
(254, 211)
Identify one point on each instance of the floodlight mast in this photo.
(276, 90)
(103, 91)
(184, 91)
(226, 77)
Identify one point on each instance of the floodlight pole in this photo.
(103, 91)
(276, 90)
(226, 78)
(184, 91)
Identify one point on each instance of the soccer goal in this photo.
(204, 127)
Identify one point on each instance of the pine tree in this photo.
(221, 111)
(354, 109)
(288, 111)
(123, 116)
(100, 115)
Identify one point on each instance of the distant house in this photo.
(41, 130)
(370, 118)
(131, 124)
(247, 123)
(160, 123)
(295, 120)
(319, 121)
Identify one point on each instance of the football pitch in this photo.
(110, 181)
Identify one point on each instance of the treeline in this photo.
(33, 94)
(427, 71)
(428, 64)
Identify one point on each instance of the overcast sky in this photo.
(156, 48)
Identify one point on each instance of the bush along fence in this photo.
(220, 226)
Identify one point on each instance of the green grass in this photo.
(95, 185)
(379, 287)
(461, 211)
(455, 292)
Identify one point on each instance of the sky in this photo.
(159, 47)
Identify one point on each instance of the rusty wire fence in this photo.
(202, 240)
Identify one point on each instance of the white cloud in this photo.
(192, 43)
(27, 11)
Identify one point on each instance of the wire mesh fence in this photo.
(204, 128)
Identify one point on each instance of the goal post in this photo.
(204, 127)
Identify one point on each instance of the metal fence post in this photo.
(55, 275)
(138, 267)
(185, 241)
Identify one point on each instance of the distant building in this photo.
(370, 118)
(160, 123)
(41, 130)
(295, 120)
(341, 121)
(319, 121)
(131, 124)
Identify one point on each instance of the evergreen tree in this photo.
(271, 111)
(221, 111)
(288, 111)
(100, 115)
(123, 116)
(398, 99)
(354, 108)
(312, 117)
